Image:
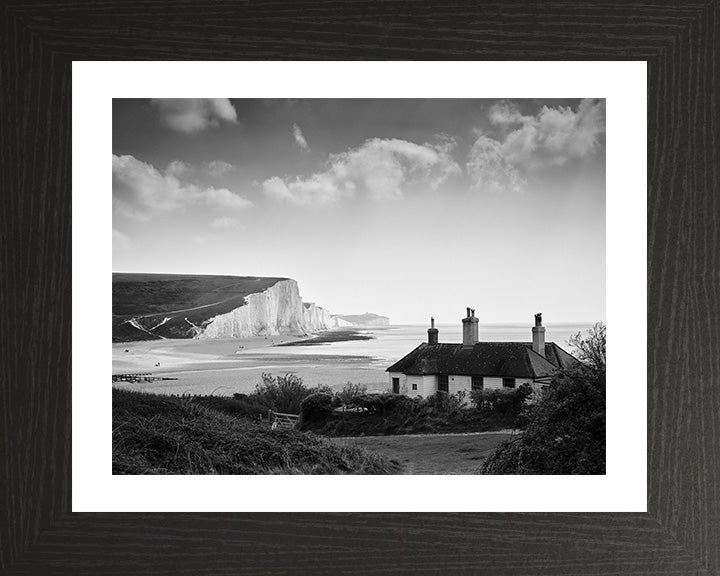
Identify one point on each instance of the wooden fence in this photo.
(280, 420)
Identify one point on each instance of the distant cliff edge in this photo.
(367, 319)
(159, 306)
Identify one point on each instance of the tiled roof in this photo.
(512, 359)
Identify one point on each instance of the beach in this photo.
(228, 366)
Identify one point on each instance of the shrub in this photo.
(350, 393)
(385, 403)
(316, 407)
(565, 433)
(443, 404)
(502, 400)
(282, 393)
(322, 388)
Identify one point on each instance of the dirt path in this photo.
(436, 453)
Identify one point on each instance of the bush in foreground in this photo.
(385, 403)
(317, 406)
(386, 413)
(281, 393)
(350, 393)
(155, 434)
(502, 401)
(443, 405)
(565, 432)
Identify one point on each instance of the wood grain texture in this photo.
(681, 532)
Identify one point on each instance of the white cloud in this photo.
(506, 113)
(318, 189)
(299, 138)
(553, 137)
(140, 190)
(226, 222)
(379, 168)
(490, 169)
(213, 168)
(223, 198)
(195, 114)
(178, 168)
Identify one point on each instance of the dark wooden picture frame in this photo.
(680, 533)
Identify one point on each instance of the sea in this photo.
(224, 368)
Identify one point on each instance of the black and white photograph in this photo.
(356, 270)
(358, 286)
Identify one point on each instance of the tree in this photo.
(590, 348)
(565, 431)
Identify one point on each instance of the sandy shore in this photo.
(236, 365)
(161, 356)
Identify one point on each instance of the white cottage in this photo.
(475, 365)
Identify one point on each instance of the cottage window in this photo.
(477, 383)
(442, 383)
(414, 386)
(508, 382)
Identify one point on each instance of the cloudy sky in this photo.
(407, 208)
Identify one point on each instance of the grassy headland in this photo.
(155, 434)
(173, 302)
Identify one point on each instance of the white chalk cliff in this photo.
(277, 310)
(338, 322)
(316, 317)
(168, 306)
(366, 319)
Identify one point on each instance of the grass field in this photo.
(155, 434)
(433, 453)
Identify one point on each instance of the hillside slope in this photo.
(165, 435)
(156, 306)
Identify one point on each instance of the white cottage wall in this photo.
(426, 385)
(458, 383)
(416, 381)
(429, 385)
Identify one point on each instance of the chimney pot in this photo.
(538, 335)
(470, 328)
(432, 332)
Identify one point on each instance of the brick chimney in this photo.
(538, 334)
(470, 328)
(432, 332)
